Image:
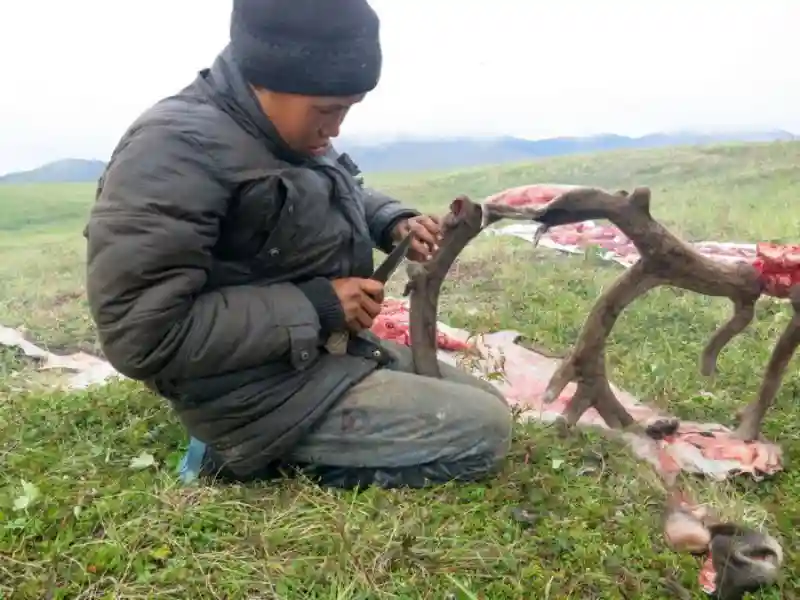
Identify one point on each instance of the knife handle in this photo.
(337, 343)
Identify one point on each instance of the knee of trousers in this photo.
(488, 423)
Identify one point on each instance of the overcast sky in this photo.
(75, 73)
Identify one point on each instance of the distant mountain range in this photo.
(455, 153)
(442, 154)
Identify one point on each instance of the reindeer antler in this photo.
(459, 226)
(665, 260)
(751, 417)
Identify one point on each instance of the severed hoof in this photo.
(662, 428)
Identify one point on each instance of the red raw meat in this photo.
(527, 195)
(392, 324)
(708, 576)
(565, 238)
(779, 266)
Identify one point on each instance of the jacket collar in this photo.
(224, 84)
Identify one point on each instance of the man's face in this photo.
(306, 123)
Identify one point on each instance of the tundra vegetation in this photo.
(91, 506)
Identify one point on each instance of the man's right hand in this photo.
(361, 301)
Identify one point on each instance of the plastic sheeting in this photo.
(706, 448)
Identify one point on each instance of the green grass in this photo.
(100, 529)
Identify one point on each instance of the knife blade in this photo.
(396, 256)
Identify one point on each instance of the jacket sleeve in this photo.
(150, 239)
(383, 213)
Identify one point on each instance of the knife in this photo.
(337, 341)
(396, 256)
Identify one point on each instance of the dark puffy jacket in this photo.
(211, 246)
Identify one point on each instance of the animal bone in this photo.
(752, 415)
(664, 260)
(685, 527)
(459, 226)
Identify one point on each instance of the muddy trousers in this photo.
(398, 429)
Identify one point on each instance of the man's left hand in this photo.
(427, 235)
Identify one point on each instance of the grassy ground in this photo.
(99, 525)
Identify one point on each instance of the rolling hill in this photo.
(741, 177)
(408, 155)
(70, 170)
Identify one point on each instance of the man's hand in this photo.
(361, 301)
(427, 235)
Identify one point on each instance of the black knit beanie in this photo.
(307, 47)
